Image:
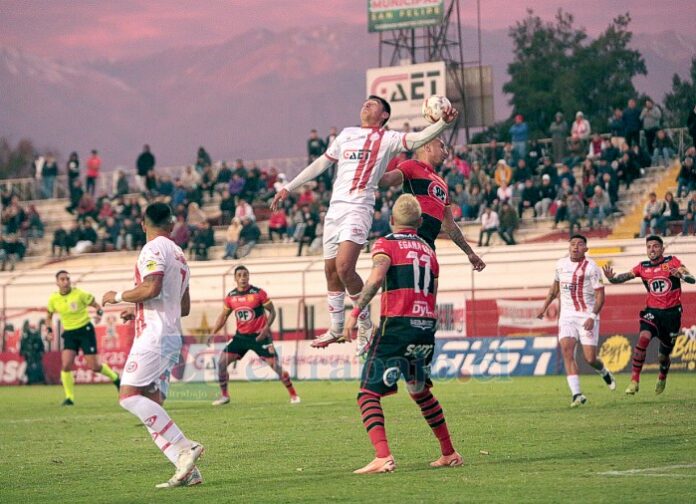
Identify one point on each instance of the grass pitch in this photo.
(262, 449)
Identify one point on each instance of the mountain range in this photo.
(255, 96)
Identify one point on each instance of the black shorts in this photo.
(242, 343)
(84, 338)
(663, 325)
(401, 347)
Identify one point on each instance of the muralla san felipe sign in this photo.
(397, 14)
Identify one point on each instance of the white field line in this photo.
(653, 471)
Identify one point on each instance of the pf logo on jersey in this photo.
(660, 286)
(438, 192)
(244, 314)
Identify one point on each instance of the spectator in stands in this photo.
(244, 211)
(49, 172)
(548, 168)
(195, 216)
(508, 223)
(121, 184)
(37, 169)
(87, 208)
(144, 165)
(474, 203)
(564, 173)
(610, 184)
(86, 237)
(521, 174)
(609, 151)
(652, 212)
(493, 153)
(691, 124)
(563, 193)
(535, 153)
(227, 207)
(208, 181)
(664, 149)
(576, 210)
(689, 226)
(489, 225)
(504, 193)
(190, 179)
(519, 134)
(671, 213)
(75, 196)
(60, 242)
(236, 185)
(617, 129)
(108, 233)
(278, 224)
(640, 157)
(315, 146)
(106, 210)
(248, 237)
(232, 239)
(224, 176)
(92, 173)
(650, 116)
(203, 238)
(179, 194)
(580, 130)
(627, 169)
(503, 173)
(599, 206)
(181, 233)
(253, 185)
(309, 229)
(529, 198)
(202, 159)
(547, 194)
(33, 227)
(595, 147)
(631, 123)
(687, 178)
(559, 133)
(240, 169)
(73, 171)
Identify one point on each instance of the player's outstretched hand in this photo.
(109, 298)
(540, 315)
(608, 271)
(349, 326)
(128, 314)
(280, 196)
(450, 115)
(477, 262)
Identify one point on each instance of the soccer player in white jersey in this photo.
(161, 298)
(362, 154)
(579, 282)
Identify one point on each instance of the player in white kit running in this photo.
(362, 154)
(161, 298)
(579, 282)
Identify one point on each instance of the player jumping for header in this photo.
(579, 282)
(661, 318)
(362, 154)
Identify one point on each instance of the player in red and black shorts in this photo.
(249, 305)
(406, 268)
(661, 318)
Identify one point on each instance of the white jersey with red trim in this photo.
(577, 283)
(362, 155)
(158, 320)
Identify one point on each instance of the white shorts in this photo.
(572, 327)
(346, 222)
(146, 368)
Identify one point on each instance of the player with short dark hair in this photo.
(362, 155)
(407, 270)
(71, 303)
(578, 284)
(661, 317)
(249, 305)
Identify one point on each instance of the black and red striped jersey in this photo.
(431, 192)
(664, 289)
(247, 307)
(408, 289)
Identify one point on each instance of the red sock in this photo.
(223, 378)
(639, 357)
(373, 420)
(433, 414)
(285, 378)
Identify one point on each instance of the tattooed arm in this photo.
(455, 234)
(684, 274)
(380, 266)
(617, 279)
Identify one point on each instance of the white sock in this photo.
(165, 433)
(574, 384)
(337, 309)
(364, 317)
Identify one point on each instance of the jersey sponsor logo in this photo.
(421, 309)
(438, 192)
(422, 351)
(131, 367)
(150, 421)
(151, 265)
(660, 286)
(356, 231)
(665, 267)
(244, 314)
(423, 325)
(649, 316)
(391, 376)
(357, 155)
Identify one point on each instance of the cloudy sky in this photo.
(80, 30)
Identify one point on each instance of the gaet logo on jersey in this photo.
(437, 191)
(244, 314)
(660, 286)
(357, 155)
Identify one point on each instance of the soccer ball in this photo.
(434, 107)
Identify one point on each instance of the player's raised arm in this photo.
(393, 178)
(553, 293)
(150, 288)
(455, 233)
(265, 332)
(316, 168)
(617, 279)
(417, 139)
(684, 274)
(380, 266)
